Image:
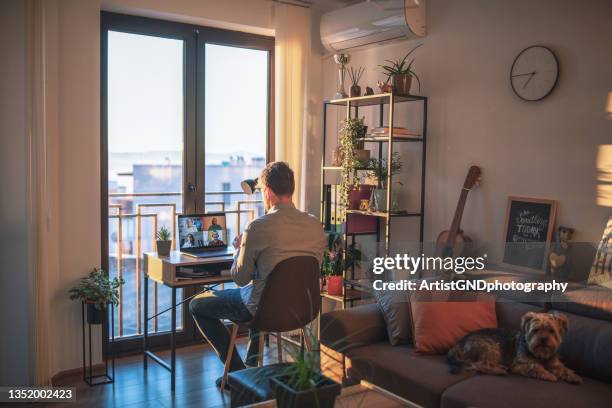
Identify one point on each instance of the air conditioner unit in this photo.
(372, 22)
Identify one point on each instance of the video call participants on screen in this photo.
(202, 232)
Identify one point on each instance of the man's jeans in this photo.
(209, 308)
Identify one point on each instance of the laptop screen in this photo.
(202, 231)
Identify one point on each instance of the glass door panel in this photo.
(236, 89)
(146, 135)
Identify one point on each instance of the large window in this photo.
(185, 117)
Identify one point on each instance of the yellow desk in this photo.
(163, 271)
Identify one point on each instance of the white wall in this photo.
(16, 243)
(544, 149)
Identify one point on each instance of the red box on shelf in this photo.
(360, 223)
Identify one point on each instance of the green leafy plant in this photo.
(352, 129)
(401, 67)
(163, 234)
(355, 75)
(97, 288)
(378, 169)
(336, 259)
(304, 372)
(301, 383)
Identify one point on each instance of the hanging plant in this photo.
(352, 129)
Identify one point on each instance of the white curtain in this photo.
(38, 187)
(292, 53)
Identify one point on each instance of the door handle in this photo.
(191, 188)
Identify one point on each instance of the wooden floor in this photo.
(197, 369)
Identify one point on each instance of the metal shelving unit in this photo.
(355, 290)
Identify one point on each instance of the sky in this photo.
(145, 96)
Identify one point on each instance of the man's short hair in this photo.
(278, 177)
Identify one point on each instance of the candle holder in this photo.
(341, 60)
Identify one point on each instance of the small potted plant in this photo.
(355, 76)
(400, 73)
(332, 270)
(301, 384)
(352, 154)
(164, 242)
(97, 291)
(379, 170)
(335, 261)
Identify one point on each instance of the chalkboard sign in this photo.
(529, 227)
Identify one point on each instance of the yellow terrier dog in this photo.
(532, 352)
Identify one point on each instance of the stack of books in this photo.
(400, 132)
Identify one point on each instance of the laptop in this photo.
(203, 235)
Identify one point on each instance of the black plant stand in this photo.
(99, 379)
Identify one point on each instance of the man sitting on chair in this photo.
(282, 233)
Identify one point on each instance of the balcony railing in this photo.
(133, 220)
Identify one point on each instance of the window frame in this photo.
(195, 37)
(208, 35)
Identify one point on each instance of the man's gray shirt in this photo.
(282, 233)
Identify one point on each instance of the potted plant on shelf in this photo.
(336, 260)
(332, 270)
(400, 73)
(97, 291)
(301, 384)
(378, 169)
(164, 242)
(351, 154)
(355, 76)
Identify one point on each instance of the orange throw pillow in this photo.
(438, 326)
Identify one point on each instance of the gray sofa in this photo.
(354, 346)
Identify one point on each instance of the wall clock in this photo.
(534, 73)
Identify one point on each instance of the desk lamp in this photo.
(249, 186)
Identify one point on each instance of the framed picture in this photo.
(528, 231)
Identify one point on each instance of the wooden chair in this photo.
(290, 300)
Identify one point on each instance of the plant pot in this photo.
(94, 315)
(363, 134)
(334, 285)
(362, 155)
(323, 396)
(401, 84)
(163, 248)
(355, 90)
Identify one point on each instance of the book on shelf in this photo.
(397, 132)
(338, 213)
(333, 210)
(336, 218)
(185, 272)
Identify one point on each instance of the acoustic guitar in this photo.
(452, 242)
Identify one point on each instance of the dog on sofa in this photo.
(531, 352)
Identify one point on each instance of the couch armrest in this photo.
(345, 329)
